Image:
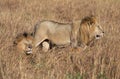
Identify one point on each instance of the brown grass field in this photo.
(102, 61)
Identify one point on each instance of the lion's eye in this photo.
(99, 27)
(26, 44)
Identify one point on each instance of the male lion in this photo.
(24, 43)
(77, 33)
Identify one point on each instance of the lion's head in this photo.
(24, 42)
(89, 30)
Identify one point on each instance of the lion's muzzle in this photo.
(98, 36)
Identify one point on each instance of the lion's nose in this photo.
(30, 46)
(97, 35)
(103, 32)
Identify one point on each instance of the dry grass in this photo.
(98, 62)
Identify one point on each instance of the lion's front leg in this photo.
(73, 39)
(74, 42)
(74, 33)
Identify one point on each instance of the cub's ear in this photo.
(25, 34)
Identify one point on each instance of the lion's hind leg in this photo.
(38, 41)
(45, 46)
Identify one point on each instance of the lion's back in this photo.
(58, 33)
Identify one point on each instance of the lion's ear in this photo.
(92, 21)
(25, 34)
(93, 16)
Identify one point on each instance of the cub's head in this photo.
(23, 42)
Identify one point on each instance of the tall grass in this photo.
(98, 62)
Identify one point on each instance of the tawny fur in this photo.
(24, 42)
(81, 31)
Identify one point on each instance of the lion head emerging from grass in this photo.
(24, 42)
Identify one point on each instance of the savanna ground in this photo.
(102, 61)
